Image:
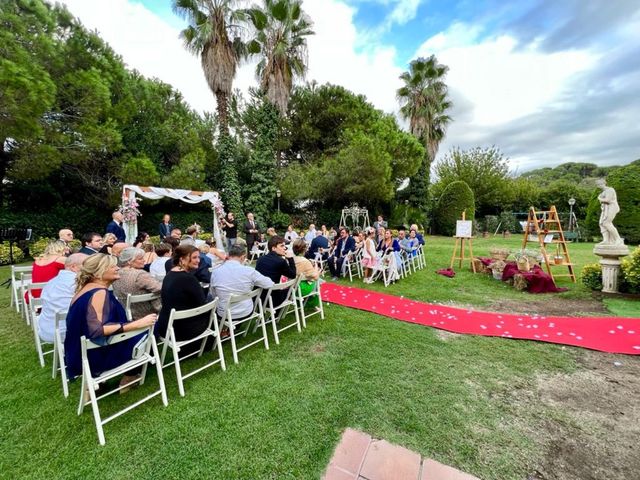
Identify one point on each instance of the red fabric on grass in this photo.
(607, 334)
(537, 279)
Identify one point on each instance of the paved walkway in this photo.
(360, 457)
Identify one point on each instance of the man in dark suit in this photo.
(319, 242)
(251, 231)
(91, 243)
(165, 227)
(115, 227)
(346, 244)
(276, 264)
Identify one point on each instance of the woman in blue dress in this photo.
(96, 313)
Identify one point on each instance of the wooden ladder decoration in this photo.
(541, 224)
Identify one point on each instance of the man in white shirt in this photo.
(233, 277)
(56, 296)
(291, 235)
(311, 234)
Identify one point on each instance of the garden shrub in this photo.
(626, 181)
(155, 239)
(592, 222)
(631, 271)
(37, 248)
(591, 276)
(5, 258)
(279, 221)
(456, 197)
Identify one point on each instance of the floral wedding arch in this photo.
(130, 212)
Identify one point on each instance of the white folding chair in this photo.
(145, 356)
(18, 275)
(351, 265)
(58, 352)
(171, 342)
(258, 251)
(33, 311)
(140, 298)
(241, 327)
(274, 315)
(25, 280)
(385, 268)
(421, 261)
(302, 299)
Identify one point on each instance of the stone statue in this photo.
(610, 208)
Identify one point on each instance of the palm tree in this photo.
(281, 27)
(214, 34)
(424, 102)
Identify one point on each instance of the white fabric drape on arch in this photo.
(156, 193)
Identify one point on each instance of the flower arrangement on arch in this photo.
(129, 210)
(218, 207)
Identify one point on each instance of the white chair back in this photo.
(257, 316)
(58, 351)
(302, 299)
(146, 355)
(140, 298)
(274, 314)
(33, 311)
(171, 341)
(18, 275)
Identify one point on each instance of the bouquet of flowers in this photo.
(129, 210)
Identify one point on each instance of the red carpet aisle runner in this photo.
(607, 334)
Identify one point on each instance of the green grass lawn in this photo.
(279, 414)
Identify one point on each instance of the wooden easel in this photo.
(460, 243)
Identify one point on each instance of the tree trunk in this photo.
(223, 112)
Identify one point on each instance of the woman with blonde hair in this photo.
(107, 242)
(48, 265)
(369, 255)
(96, 314)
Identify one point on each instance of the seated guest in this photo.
(181, 290)
(141, 239)
(115, 226)
(310, 273)
(65, 235)
(276, 264)
(163, 254)
(191, 235)
(202, 272)
(91, 243)
(56, 297)
(96, 313)
(359, 238)
(118, 247)
(311, 234)
(48, 265)
(107, 243)
(324, 232)
(320, 246)
(271, 232)
(380, 234)
(149, 254)
(290, 235)
(388, 243)
(233, 277)
(344, 246)
(175, 243)
(332, 235)
(409, 245)
(176, 233)
(379, 223)
(212, 253)
(136, 281)
(414, 228)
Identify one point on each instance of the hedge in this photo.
(456, 197)
(626, 181)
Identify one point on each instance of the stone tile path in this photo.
(360, 457)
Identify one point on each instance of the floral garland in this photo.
(218, 207)
(129, 210)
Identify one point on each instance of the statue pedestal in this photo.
(610, 263)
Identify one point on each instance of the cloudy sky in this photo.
(547, 81)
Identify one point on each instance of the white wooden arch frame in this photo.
(129, 193)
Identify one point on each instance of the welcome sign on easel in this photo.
(464, 233)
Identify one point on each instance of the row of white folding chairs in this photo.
(20, 278)
(294, 300)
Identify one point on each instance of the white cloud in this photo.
(152, 46)
(502, 81)
(404, 11)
